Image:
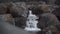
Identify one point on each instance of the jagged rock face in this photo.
(16, 9)
(19, 9)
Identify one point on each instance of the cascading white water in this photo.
(31, 23)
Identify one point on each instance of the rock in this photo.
(47, 19)
(16, 9)
(52, 28)
(45, 8)
(57, 2)
(6, 28)
(57, 12)
(40, 9)
(58, 27)
(19, 9)
(20, 22)
(3, 8)
(7, 18)
(36, 10)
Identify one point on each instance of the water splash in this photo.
(31, 23)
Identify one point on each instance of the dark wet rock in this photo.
(20, 22)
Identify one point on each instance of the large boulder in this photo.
(19, 9)
(19, 12)
(47, 19)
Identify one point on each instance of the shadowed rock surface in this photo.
(19, 9)
(57, 13)
(6, 28)
(20, 22)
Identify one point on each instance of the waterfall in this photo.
(31, 23)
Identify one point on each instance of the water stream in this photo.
(31, 23)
